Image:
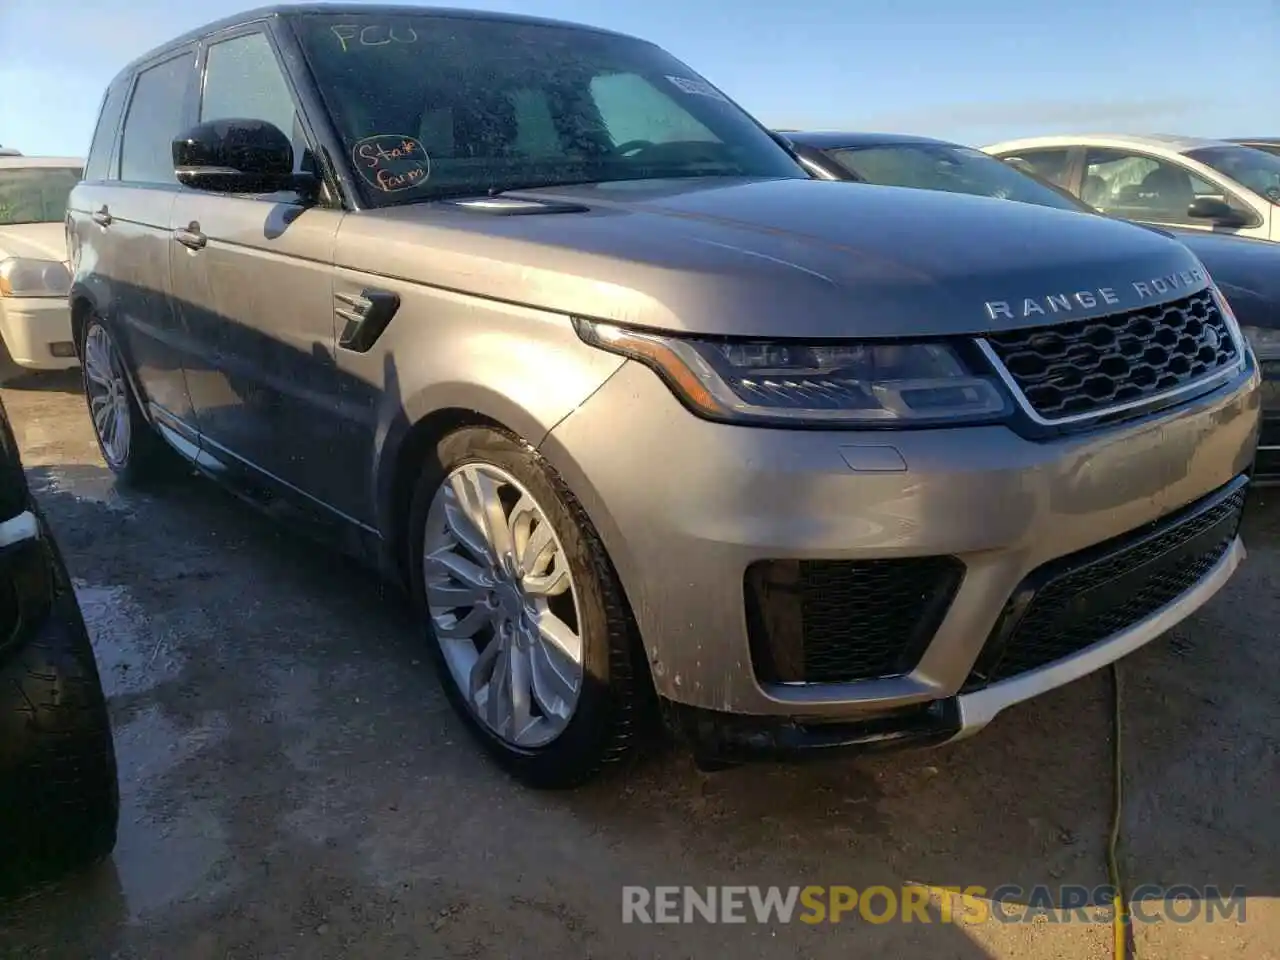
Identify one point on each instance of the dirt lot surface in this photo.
(295, 786)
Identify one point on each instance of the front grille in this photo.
(1075, 602)
(1084, 367)
(838, 621)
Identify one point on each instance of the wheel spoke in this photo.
(450, 627)
(93, 361)
(477, 495)
(460, 568)
(102, 410)
(538, 550)
(520, 685)
(498, 702)
(555, 631)
(552, 583)
(524, 522)
(482, 670)
(120, 433)
(93, 371)
(454, 594)
(463, 527)
(553, 687)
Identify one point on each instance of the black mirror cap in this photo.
(1219, 211)
(237, 156)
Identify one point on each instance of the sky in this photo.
(974, 71)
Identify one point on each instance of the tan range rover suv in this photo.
(539, 321)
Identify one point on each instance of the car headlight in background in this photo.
(23, 277)
(1264, 341)
(853, 384)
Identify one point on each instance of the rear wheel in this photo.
(527, 622)
(129, 444)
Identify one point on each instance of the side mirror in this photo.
(1219, 211)
(238, 156)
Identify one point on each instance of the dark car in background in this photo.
(59, 795)
(1267, 144)
(1247, 271)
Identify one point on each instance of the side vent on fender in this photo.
(365, 316)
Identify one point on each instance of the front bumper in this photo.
(34, 328)
(686, 508)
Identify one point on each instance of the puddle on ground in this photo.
(85, 484)
(169, 842)
(132, 656)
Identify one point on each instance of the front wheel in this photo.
(526, 618)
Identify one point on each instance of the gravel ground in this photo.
(294, 784)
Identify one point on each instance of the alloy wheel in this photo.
(108, 394)
(503, 605)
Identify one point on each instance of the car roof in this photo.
(1166, 142)
(834, 140)
(294, 11)
(17, 163)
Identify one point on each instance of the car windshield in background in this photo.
(443, 106)
(35, 194)
(1256, 169)
(954, 169)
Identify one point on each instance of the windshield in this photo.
(1255, 169)
(954, 169)
(35, 194)
(431, 106)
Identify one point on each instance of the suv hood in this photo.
(767, 258)
(37, 241)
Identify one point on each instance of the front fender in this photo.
(448, 357)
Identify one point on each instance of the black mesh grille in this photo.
(1076, 602)
(833, 621)
(1086, 366)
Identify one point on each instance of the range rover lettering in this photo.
(539, 321)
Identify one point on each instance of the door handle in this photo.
(190, 236)
(102, 217)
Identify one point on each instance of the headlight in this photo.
(1265, 342)
(856, 384)
(20, 277)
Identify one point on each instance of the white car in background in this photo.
(35, 320)
(1161, 180)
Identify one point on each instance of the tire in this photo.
(143, 458)
(600, 728)
(59, 792)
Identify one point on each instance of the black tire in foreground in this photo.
(605, 720)
(59, 793)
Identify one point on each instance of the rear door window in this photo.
(154, 120)
(98, 164)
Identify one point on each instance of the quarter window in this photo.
(243, 80)
(1048, 165)
(155, 118)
